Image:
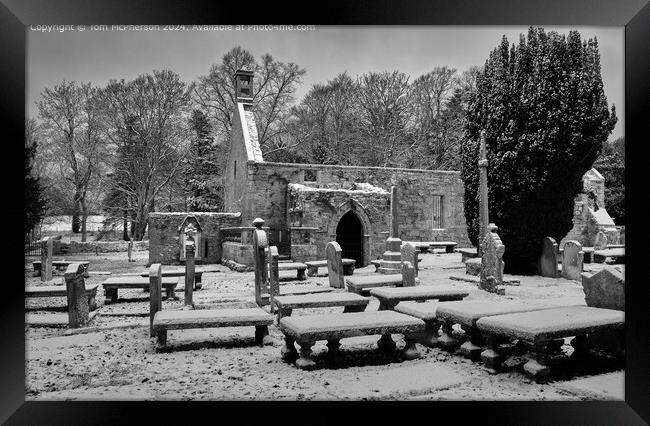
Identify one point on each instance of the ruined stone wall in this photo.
(236, 169)
(416, 191)
(164, 240)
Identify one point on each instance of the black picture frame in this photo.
(15, 15)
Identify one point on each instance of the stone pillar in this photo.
(46, 259)
(155, 294)
(189, 271)
(548, 259)
(392, 258)
(260, 245)
(274, 273)
(78, 309)
(335, 265)
(484, 220)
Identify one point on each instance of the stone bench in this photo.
(300, 291)
(448, 245)
(422, 246)
(62, 291)
(164, 321)
(198, 275)
(291, 266)
(467, 253)
(351, 302)
(112, 284)
(544, 332)
(312, 266)
(467, 313)
(390, 297)
(306, 330)
(362, 284)
(60, 265)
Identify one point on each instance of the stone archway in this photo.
(349, 234)
(353, 207)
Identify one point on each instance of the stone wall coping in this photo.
(183, 214)
(340, 167)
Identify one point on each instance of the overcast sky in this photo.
(98, 56)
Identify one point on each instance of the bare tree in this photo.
(147, 125)
(274, 87)
(73, 129)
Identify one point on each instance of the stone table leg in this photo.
(161, 336)
(288, 351)
(284, 312)
(348, 269)
(112, 294)
(536, 368)
(262, 337)
(446, 341)
(312, 270)
(197, 281)
(92, 303)
(386, 306)
(301, 275)
(305, 362)
(491, 356)
(333, 351)
(410, 351)
(430, 337)
(386, 343)
(449, 249)
(472, 347)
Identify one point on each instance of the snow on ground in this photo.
(114, 359)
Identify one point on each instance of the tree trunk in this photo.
(125, 226)
(84, 219)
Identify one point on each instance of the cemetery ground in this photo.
(114, 357)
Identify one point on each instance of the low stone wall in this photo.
(239, 253)
(99, 246)
(164, 235)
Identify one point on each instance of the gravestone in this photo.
(335, 265)
(491, 278)
(572, 259)
(189, 271)
(78, 309)
(605, 288)
(548, 266)
(260, 245)
(408, 274)
(46, 259)
(600, 242)
(410, 254)
(274, 273)
(155, 294)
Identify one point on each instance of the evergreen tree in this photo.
(545, 114)
(34, 200)
(611, 164)
(203, 167)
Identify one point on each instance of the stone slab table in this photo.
(448, 245)
(390, 297)
(164, 321)
(351, 302)
(306, 330)
(111, 285)
(363, 283)
(543, 330)
(294, 266)
(312, 266)
(61, 291)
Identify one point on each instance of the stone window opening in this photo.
(436, 214)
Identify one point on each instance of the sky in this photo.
(97, 56)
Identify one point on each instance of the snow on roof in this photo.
(357, 188)
(602, 217)
(593, 174)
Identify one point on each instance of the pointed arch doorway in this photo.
(349, 234)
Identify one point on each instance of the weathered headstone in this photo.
(410, 254)
(572, 260)
(274, 273)
(260, 245)
(46, 259)
(491, 278)
(155, 294)
(600, 242)
(484, 220)
(189, 271)
(408, 274)
(129, 249)
(78, 309)
(335, 265)
(605, 288)
(548, 266)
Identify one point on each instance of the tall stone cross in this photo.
(484, 220)
(394, 219)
